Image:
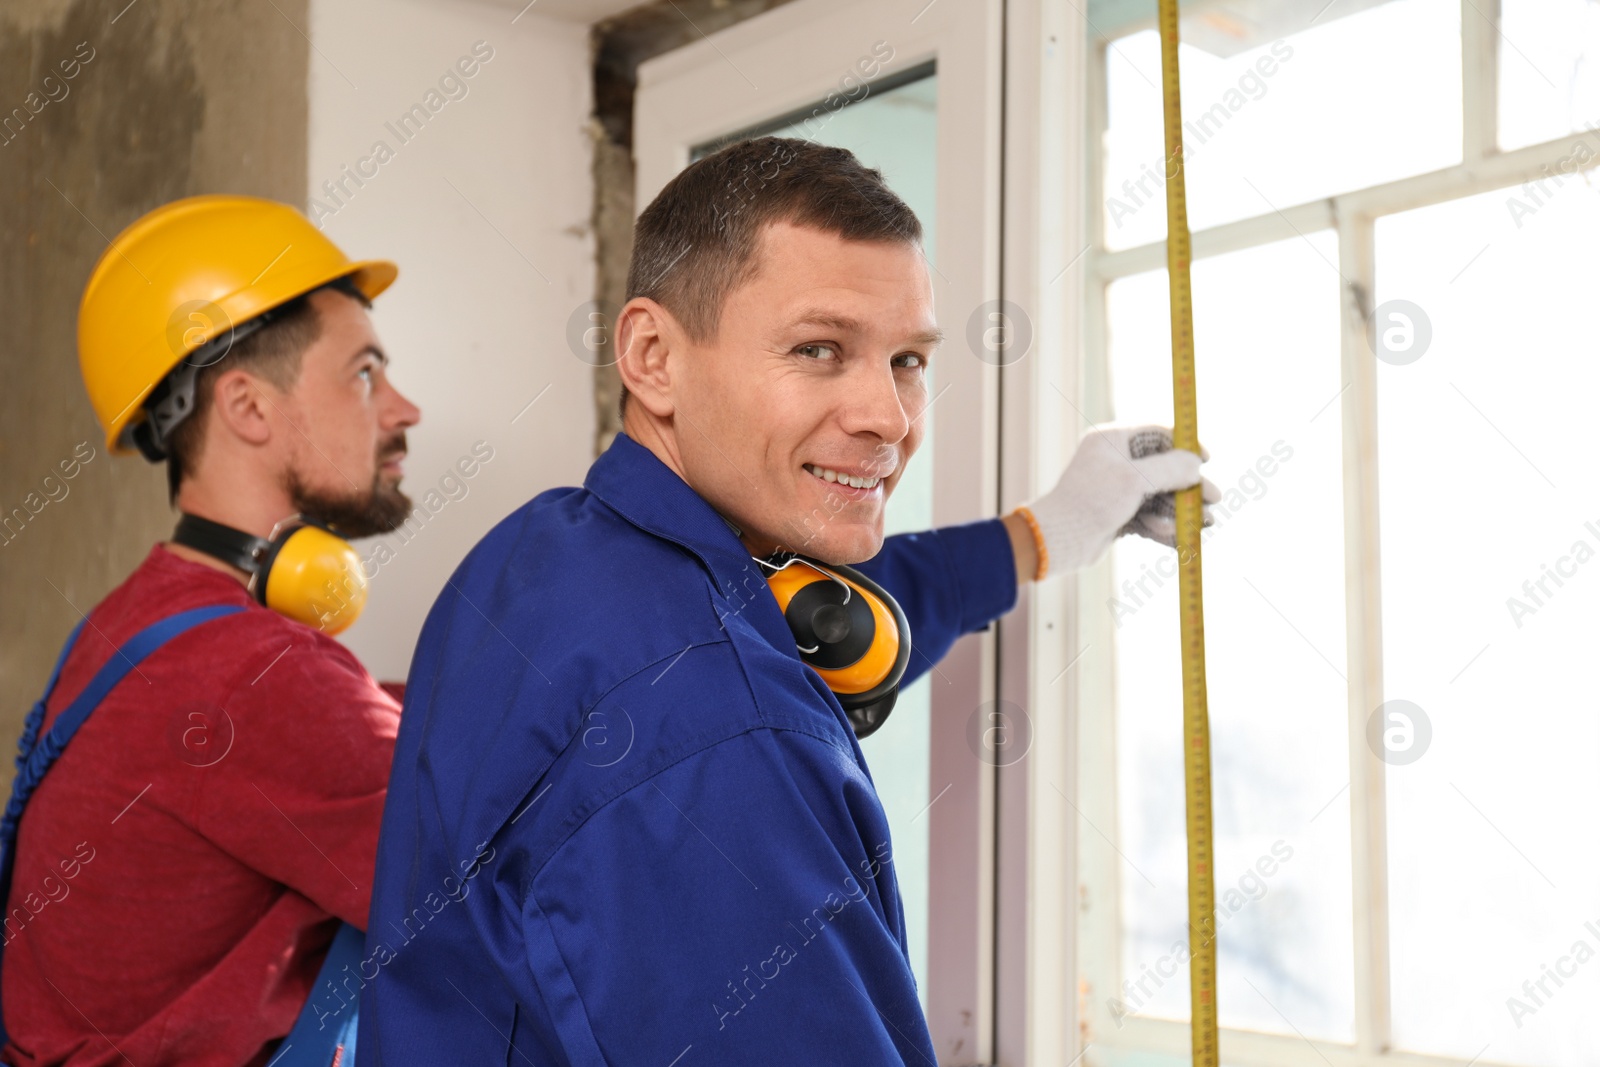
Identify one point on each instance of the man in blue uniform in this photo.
(626, 823)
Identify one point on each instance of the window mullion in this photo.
(1099, 930)
(1096, 379)
(1480, 79)
(1363, 621)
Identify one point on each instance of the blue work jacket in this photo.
(626, 824)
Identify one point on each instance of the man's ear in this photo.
(240, 406)
(647, 336)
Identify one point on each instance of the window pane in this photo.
(1347, 103)
(1267, 330)
(1491, 619)
(1549, 86)
(894, 131)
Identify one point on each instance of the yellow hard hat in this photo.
(189, 273)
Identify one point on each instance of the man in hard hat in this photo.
(183, 845)
(629, 820)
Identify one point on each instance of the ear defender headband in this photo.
(302, 570)
(849, 630)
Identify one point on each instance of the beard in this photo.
(378, 509)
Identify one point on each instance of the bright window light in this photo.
(1347, 103)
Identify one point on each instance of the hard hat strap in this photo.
(172, 400)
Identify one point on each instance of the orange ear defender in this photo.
(849, 630)
(302, 570)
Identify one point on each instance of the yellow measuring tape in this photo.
(1186, 434)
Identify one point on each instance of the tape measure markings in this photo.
(1196, 725)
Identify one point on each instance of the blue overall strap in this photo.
(325, 1033)
(36, 755)
(30, 771)
(35, 719)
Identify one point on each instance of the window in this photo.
(1273, 119)
(894, 128)
(932, 108)
(1549, 84)
(1277, 692)
(1392, 207)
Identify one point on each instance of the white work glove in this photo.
(1120, 480)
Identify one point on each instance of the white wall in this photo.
(490, 270)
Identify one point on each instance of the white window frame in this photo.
(1000, 960)
(1352, 217)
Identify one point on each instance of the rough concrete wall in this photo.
(175, 97)
(620, 45)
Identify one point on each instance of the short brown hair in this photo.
(699, 237)
(272, 352)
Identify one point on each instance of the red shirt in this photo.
(181, 869)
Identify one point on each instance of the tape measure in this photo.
(1186, 434)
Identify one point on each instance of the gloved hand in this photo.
(1120, 480)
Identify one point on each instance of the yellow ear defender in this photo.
(302, 569)
(849, 630)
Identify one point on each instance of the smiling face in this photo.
(796, 419)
